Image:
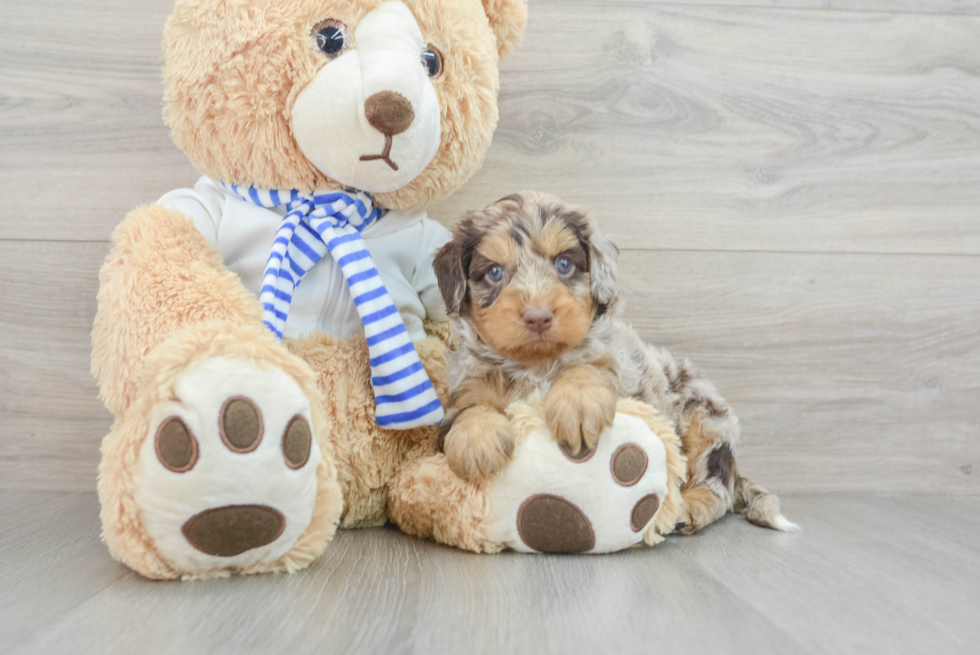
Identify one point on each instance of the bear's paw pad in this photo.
(227, 476)
(548, 500)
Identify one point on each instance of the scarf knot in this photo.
(331, 223)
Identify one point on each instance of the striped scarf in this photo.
(332, 222)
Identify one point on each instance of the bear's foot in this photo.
(548, 500)
(227, 473)
(220, 470)
(606, 499)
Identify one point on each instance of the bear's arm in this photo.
(203, 204)
(434, 237)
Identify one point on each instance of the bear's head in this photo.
(394, 97)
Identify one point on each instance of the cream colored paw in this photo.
(227, 477)
(546, 500)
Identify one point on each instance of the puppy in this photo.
(530, 288)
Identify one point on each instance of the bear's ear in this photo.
(507, 20)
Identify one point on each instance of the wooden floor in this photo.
(795, 185)
(867, 575)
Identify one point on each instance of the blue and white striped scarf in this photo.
(332, 222)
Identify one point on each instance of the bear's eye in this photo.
(432, 60)
(564, 266)
(331, 37)
(496, 273)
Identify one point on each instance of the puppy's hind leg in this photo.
(709, 490)
(709, 433)
(714, 485)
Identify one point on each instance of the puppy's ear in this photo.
(450, 275)
(604, 269)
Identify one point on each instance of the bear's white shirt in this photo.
(402, 245)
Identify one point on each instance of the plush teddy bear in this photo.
(271, 342)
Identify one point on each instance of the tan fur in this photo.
(231, 84)
(507, 20)
(499, 248)
(697, 442)
(502, 326)
(160, 275)
(580, 406)
(553, 240)
(479, 444)
(428, 500)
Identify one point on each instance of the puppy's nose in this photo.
(389, 112)
(537, 319)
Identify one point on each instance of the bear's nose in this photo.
(537, 319)
(389, 112)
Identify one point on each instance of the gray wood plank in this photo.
(51, 559)
(857, 580)
(51, 421)
(850, 372)
(696, 127)
(954, 7)
(82, 138)
(876, 579)
(730, 128)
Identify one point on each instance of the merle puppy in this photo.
(530, 288)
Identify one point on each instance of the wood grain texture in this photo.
(82, 139)
(868, 575)
(695, 126)
(848, 371)
(953, 7)
(750, 129)
(796, 184)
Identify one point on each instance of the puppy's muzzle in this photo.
(538, 319)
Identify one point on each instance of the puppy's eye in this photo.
(496, 273)
(432, 61)
(564, 266)
(331, 37)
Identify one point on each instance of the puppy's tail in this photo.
(759, 506)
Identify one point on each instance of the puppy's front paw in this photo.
(578, 411)
(479, 443)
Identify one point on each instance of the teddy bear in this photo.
(272, 342)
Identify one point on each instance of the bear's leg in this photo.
(368, 456)
(160, 276)
(426, 499)
(219, 458)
